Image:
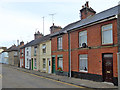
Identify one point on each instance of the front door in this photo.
(108, 67)
(53, 64)
(32, 63)
(49, 66)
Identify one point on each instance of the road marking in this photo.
(55, 80)
(0, 75)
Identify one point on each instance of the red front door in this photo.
(108, 67)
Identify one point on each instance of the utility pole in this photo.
(43, 25)
(52, 17)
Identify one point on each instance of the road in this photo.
(12, 78)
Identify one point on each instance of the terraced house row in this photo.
(85, 49)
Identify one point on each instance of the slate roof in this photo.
(13, 48)
(97, 17)
(37, 41)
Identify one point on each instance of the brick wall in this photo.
(94, 55)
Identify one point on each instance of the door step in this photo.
(110, 83)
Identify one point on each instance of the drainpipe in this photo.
(69, 51)
(118, 61)
(118, 54)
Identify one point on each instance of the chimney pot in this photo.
(87, 4)
(82, 6)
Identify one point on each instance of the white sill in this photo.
(83, 71)
(106, 43)
(44, 69)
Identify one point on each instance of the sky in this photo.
(20, 19)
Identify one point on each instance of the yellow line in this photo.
(0, 75)
(54, 80)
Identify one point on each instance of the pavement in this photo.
(72, 80)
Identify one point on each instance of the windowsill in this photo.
(108, 44)
(44, 69)
(60, 49)
(82, 71)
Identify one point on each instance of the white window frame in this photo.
(35, 62)
(44, 48)
(107, 30)
(59, 42)
(22, 62)
(82, 33)
(44, 64)
(61, 63)
(15, 54)
(86, 63)
(35, 50)
(27, 62)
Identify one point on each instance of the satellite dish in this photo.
(84, 45)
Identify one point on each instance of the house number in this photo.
(108, 71)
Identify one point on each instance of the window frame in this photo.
(106, 30)
(35, 62)
(80, 43)
(58, 62)
(44, 49)
(35, 50)
(44, 64)
(82, 59)
(60, 43)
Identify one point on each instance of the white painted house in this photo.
(28, 55)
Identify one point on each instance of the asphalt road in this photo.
(12, 78)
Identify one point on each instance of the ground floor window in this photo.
(35, 62)
(83, 63)
(44, 64)
(27, 62)
(60, 63)
(22, 62)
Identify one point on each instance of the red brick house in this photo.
(22, 56)
(89, 46)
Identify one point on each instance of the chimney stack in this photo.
(54, 28)
(86, 11)
(38, 35)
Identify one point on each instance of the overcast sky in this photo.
(19, 19)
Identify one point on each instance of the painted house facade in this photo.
(13, 53)
(22, 57)
(59, 51)
(45, 54)
(28, 57)
(88, 48)
(4, 57)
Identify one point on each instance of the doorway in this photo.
(49, 65)
(107, 67)
(53, 64)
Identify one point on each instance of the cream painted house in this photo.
(41, 54)
(35, 57)
(45, 56)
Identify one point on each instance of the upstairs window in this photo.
(15, 54)
(82, 38)
(22, 53)
(107, 34)
(35, 50)
(44, 48)
(27, 53)
(59, 42)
